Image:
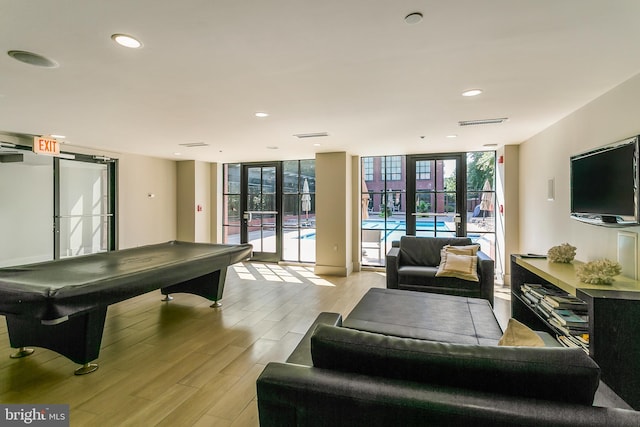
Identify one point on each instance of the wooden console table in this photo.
(614, 319)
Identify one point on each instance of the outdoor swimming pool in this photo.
(303, 240)
(394, 229)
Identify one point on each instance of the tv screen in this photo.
(604, 184)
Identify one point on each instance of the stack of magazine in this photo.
(566, 313)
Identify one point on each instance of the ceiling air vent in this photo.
(482, 122)
(194, 144)
(311, 135)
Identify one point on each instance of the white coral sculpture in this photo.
(598, 272)
(563, 253)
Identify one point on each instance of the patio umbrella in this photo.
(486, 201)
(306, 198)
(365, 200)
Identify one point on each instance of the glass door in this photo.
(26, 210)
(55, 207)
(261, 219)
(84, 218)
(437, 183)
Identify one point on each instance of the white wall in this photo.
(507, 218)
(194, 191)
(186, 200)
(612, 117)
(203, 202)
(333, 214)
(145, 220)
(215, 219)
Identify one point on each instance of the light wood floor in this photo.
(183, 363)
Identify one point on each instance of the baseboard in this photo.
(332, 270)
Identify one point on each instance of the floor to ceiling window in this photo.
(436, 208)
(427, 195)
(231, 204)
(299, 211)
(288, 226)
(481, 200)
(383, 205)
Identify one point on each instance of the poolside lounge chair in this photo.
(372, 239)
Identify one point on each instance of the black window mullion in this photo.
(56, 208)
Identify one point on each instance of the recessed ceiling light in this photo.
(452, 136)
(413, 18)
(126, 41)
(316, 145)
(177, 154)
(472, 92)
(262, 114)
(58, 136)
(32, 59)
(272, 147)
(490, 145)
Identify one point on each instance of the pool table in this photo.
(61, 305)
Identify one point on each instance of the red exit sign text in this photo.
(43, 145)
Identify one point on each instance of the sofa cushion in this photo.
(462, 249)
(559, 374)
(418, 270)
(463, 267)
(426, 251)
(519, 335)
(423, 279)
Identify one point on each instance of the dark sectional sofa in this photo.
(341, 376)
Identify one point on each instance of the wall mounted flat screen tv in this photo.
(604, 185)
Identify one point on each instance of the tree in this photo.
(481, 167)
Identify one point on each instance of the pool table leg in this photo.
(78, 338)
(22, 352)
(87, 368)
(209, 286)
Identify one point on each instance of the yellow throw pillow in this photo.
(461, 266)
(519, 335)
(462, 250)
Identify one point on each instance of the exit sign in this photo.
(43, 145)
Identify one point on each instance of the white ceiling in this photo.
(352, 68)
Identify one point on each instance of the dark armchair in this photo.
(412, 264)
